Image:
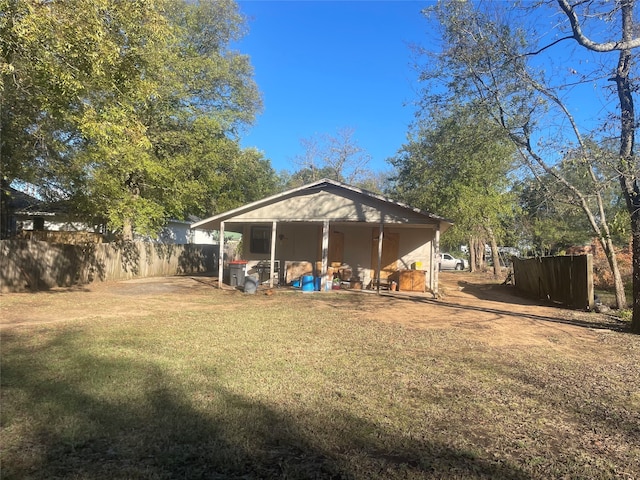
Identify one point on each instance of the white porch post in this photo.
(436, 265)
(273, 252)
(325, 255)
(380, 238)
(431, 257)
(221, 255)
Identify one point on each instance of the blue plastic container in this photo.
(308, 283)
(296, 283)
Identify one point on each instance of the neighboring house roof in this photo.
(325, 200)
(21, 203)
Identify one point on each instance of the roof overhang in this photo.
(326, 200)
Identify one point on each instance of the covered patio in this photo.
(327, 229)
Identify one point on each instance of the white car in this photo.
(449, 262)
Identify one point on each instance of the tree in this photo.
(552, 218)
(485, 59)
(457, 164)
(147, 109)
(623, 42)
(336, 157)
(57, 58)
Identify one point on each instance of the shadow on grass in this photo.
(597, 322)
(69, 414)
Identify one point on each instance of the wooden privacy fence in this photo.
(563, 279)
(34, 265)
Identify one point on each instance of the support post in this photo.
(221, 256)
(380, 239)
(325, 255)
(436, 264)
(273, 252)
(431, 261)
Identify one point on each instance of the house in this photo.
(335, 231)
(180, 232)
(29, 217)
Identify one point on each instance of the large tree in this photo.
(130, 110)
(617, 25)
(457, 164)
(551, 220)
(489, 56)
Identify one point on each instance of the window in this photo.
(260, 240)
(38, 223)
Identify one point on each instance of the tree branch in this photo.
(585, 41)
(530, 54)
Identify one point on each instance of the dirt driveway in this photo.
(469, 301)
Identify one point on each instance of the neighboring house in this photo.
(180, 232)
(329, 229)
(30, 217)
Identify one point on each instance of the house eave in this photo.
(421, 217)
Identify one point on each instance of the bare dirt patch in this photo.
(468, 301)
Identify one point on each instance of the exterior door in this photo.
(390, 249)
(336, 247)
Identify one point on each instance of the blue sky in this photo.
(322, 66)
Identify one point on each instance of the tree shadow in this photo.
(129, 255)
(35, 266)
(198, 259)
(69, 428)
(510, 294)
(596, 321)
(503, 294)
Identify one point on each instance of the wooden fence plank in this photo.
(563, 279)
(37, 265)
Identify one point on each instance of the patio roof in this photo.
(325, 200)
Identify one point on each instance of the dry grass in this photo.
(224, 385)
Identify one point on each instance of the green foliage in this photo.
(457, 165)
(553, 220)
(130, 110)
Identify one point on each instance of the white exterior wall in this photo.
(204, 237)
(57, 226)
(301, 243)
(180, 233)
(415, 246)
(357, 251)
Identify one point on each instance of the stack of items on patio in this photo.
(339, 275)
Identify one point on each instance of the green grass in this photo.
(608, 298)
(295, 386)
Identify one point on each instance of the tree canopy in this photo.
(457, 164)
(492, 56)
(129, 110)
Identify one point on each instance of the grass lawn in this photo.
(223, 385)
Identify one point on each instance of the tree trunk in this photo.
(5, 197)
(635, 223)
(127, 230)
(472, 254)
(479, 248)
(494, 252)
(629, 168)
(609, 251)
